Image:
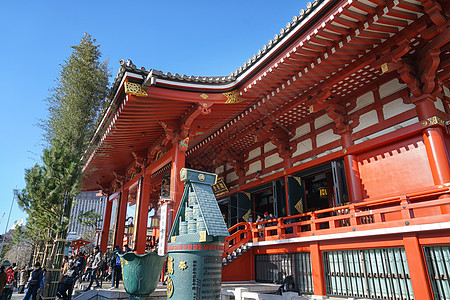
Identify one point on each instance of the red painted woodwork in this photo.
(417, 268)
(394, 168)
(141, 215)
(422, 207)
(176, 185)
(241, 270)
(121, 217)
(318, 273)
(395, 181)
(106, 225)
(437, 155)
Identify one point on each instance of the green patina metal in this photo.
(194, 265)
(141, 273)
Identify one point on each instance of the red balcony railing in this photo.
(417, 208)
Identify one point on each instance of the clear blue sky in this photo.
(185, 37)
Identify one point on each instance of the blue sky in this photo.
(185, 37)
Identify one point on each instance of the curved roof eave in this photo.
(238, 77)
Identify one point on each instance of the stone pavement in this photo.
(235, 290)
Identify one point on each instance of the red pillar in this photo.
(354, 188)
(318, 272)
(176, 185)
(417, 268)
(106, 225)
(121, 218)
(433, 139)
(141, 216)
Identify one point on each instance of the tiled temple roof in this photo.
(128, 66)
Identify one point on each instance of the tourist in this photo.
(116, 267)
(126, 248)
(23, 279)
(3, 279)
(89, 262)
(8, 288)
(69, 281)
(96, 265)
(35, 281)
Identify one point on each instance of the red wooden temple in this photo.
(338, 128)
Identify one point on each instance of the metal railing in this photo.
(274, 268)
(370, 273)
(438, 262)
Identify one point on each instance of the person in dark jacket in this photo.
(69, 281)
(96, 265)
(116, 267)
(35, 281)
(3, 278)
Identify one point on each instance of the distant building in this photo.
(84, 202)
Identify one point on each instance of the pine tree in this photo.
(80, 93)
(73, 108)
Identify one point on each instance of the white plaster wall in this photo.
(329, 151)
(228, 167)
(391, 87)
(363, 101)
(322, 121)
(301, 131)
(439, 104)
(387, 130)
(303, 147)
(366, 120)
(231, 177)
(269, 146)
(219, 170)
(254, 153)
(326, 137)
(395, 107)
(253, 167)
(272, 160)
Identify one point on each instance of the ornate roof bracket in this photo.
(119, 178)
(339, 115)
(434, 10)
(201, 108)
(139, 159)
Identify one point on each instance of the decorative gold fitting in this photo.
(384, 68)
(135, 89)
(233, 97)
(433, 121)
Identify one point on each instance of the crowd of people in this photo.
(95, 267)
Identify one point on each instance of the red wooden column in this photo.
(354, 188)
(106, 225)
(141, 215)
(317, 268)
(417, 268)
(433, 139)
(121, 217)
(176, 185)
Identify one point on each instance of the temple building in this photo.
(334, 137)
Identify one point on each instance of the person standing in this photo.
(23, 279)
(35, 282)
(96, 265)
(3, 279)
(116, 267)
(69, 281)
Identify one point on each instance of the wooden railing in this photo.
(417, 208)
